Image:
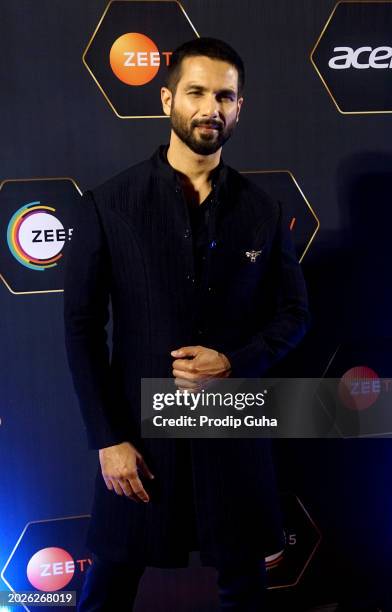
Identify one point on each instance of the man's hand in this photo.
(119, 465)
(194, 365)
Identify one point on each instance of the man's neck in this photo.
(196, 168)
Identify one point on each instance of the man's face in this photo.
(205, 108)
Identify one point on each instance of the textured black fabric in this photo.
(132, 243)
(202, 224)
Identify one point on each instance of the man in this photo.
(167, 241)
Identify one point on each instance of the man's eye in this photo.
(194, 93)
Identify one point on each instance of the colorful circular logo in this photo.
(35, 236)
(359, 388)
(50, 569)
(134, 59)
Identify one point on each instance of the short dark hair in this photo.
(208, 47)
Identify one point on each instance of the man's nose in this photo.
(210, 107)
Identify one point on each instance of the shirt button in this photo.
(190, 278)
(210, 289)
(177, 189)
(187, 233)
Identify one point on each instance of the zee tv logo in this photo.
(52, 568)
(361, 58)
(36, 237)
(360, 387)
(135, 58)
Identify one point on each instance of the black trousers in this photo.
(112, 586)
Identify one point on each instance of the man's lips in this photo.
(208, 126)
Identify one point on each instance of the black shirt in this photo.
(202, 221)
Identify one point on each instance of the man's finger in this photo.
(117, 487)
(185, 365)
(132, 495)
(127, 489)
(135, 498)
(189, 376)
(186, 351)
(138, 488)
(125, 486)
(108, 483)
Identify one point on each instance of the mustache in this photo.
(209, 123)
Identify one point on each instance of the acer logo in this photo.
(361, 58)
(356, 73)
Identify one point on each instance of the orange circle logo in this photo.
(359, 388)
(134, 59)
(50, 569)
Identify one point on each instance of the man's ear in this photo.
(166, 99)
(239, 105)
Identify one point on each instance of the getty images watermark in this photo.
(204, 401)
(265, 408)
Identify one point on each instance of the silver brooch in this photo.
(252, 255)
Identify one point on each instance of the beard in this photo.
(201, 142)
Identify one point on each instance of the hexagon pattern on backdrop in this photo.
(129, 51)
(299, 215)
(49, 555)
(353, 57)
(35, 226)
(303, 537)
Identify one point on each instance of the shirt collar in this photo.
(167, 171)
